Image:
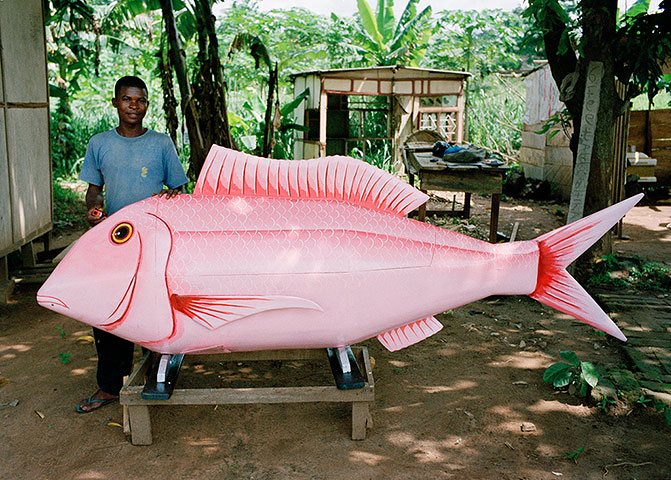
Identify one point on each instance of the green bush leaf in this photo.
(559, 375)
(571, 357)
(589, 373)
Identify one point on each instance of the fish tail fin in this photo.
(557, 249)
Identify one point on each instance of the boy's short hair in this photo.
(129, 81)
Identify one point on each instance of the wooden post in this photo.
(6, 283)
(494, 220)
(28, 255)
(360, 420)
(323, 106)
(140, 424)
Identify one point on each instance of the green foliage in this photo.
(69, 137)
(559, 120)
(576, 374)
(61, 331)
(616, 272)
(496, 108)
(127, 38)
(482, 42)
(383, 41)
(573, 455)
(69, 208)
(606, 402)
(666, 411)
(65, 357)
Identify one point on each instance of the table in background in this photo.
(456, 177)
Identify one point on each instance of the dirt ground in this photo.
(451, 406)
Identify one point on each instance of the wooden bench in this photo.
(137, 421)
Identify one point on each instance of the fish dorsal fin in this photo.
(229, 172)
(409, 334)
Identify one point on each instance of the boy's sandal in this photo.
(94, 403)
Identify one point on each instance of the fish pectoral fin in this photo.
(409, 334)
(215, 311)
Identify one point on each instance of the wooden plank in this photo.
(660, 131)
(242, 396)
(57, 259)
(29, 170)
(6, 283)
(136, 377)
(473, 181)
(323, 105)
(513, 234)
(494, 218)
(23, 52)
(661, 116)
(6, 238)
(28, 255)
(27, 238)
(360, 420)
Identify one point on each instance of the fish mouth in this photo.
(119, 314)
(48, 301)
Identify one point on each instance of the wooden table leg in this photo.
(360, 420)
(494, 220)
(140, 424)
(421, 213)
(467, 205)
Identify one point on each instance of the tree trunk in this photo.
(598, 38)
(269, 130)
(598, 20)
(169, 100)
(189, 111)
(210, 87)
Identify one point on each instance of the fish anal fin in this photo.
(215, 311)
(409, 334)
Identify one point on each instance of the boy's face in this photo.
(131, 104)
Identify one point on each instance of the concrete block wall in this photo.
(547, 157)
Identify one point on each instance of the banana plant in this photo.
(384, 41)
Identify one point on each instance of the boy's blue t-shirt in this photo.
(131, 168)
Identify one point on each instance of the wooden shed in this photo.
(369, 112)
(25, 165)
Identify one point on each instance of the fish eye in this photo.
(122, 233)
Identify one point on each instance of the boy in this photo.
(133, 163)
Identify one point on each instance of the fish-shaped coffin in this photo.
(273, 254)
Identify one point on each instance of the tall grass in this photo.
(495, 113)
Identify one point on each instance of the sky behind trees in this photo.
(348, 7)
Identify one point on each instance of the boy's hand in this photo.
(94, 216)
(169, 192)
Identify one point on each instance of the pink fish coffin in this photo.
(277, 254)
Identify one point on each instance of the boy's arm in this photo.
(94, 202)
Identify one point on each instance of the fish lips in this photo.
(52, 303)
